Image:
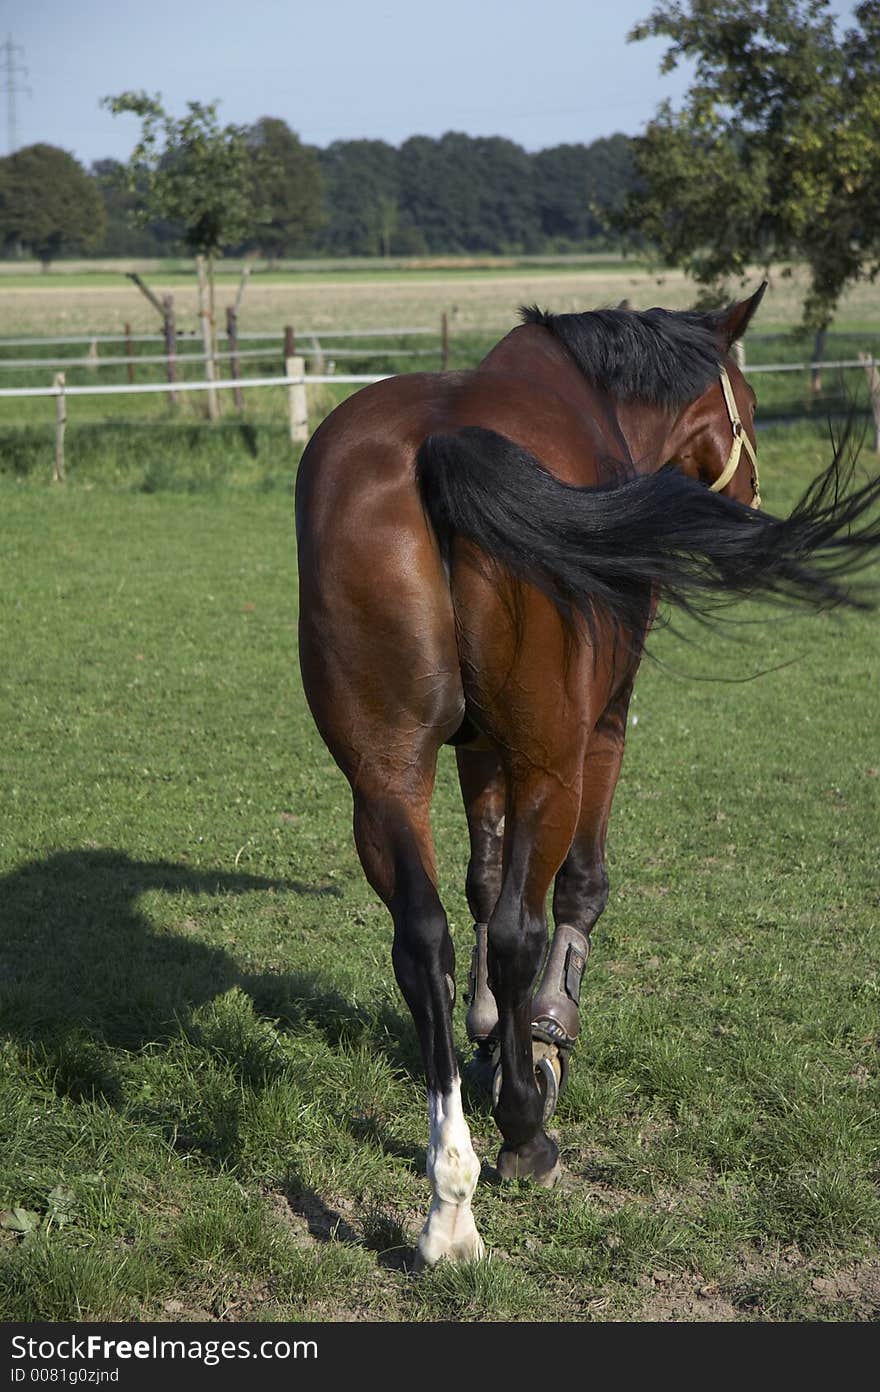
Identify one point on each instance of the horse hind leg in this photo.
(481, 778)
(393, 837)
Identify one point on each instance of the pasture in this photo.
(102, 301)
(211, 1104)
(481, 305)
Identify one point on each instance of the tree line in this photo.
(449, 195)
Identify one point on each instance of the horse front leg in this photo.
(393, 836)
(541, 817)
(581, 889)
(483, 789)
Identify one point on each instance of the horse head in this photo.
(713, 438)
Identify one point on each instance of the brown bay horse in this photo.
(480, 554)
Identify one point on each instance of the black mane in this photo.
(661, 356)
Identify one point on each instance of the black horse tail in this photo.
(605, 550)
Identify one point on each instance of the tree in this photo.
(425, 196)
(776, 151)
(465, 194)
(192, 172)
(286, 186)
(577, 186)
(48, 203)
(121, 237)
(469, 194)
(361, 182)
(507, 215)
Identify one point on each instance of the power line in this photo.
(11, 71)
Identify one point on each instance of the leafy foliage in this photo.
(465, 194)
(775, 152)
(121, 236)
(48, 203)
(191, 184)
(286, 188)
(576, 186)
(362, 190)
(190, 171)
(469, 194)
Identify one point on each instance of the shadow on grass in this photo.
(81, 967)
(383, 1233)
(85, 976)
(296, 1001)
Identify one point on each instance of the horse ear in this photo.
(733, 322)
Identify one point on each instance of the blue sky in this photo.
(538, 73)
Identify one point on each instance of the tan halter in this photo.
(740, 441)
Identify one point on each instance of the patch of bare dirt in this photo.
(849, 1293)
(857, 1286)
(673, 1297)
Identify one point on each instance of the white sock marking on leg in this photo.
(453, 1170)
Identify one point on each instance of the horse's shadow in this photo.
(84, 972)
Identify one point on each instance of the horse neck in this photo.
(651, 433)
(531, 351)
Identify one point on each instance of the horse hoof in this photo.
(551, 1076)
(550, 1179)
(437, 1246)
(538, 1161)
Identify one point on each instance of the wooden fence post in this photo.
(738, 353)
(234, 361)
(289, 342)
(129, 352)
(297, 403)
(60, 423)
(242, 286)
(170, 345)
(818, 357)
(869, 363)
(444, 341)
(318, 363)
(207, 339)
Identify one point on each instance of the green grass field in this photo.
(211, 1104)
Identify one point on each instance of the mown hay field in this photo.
(475, 299)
